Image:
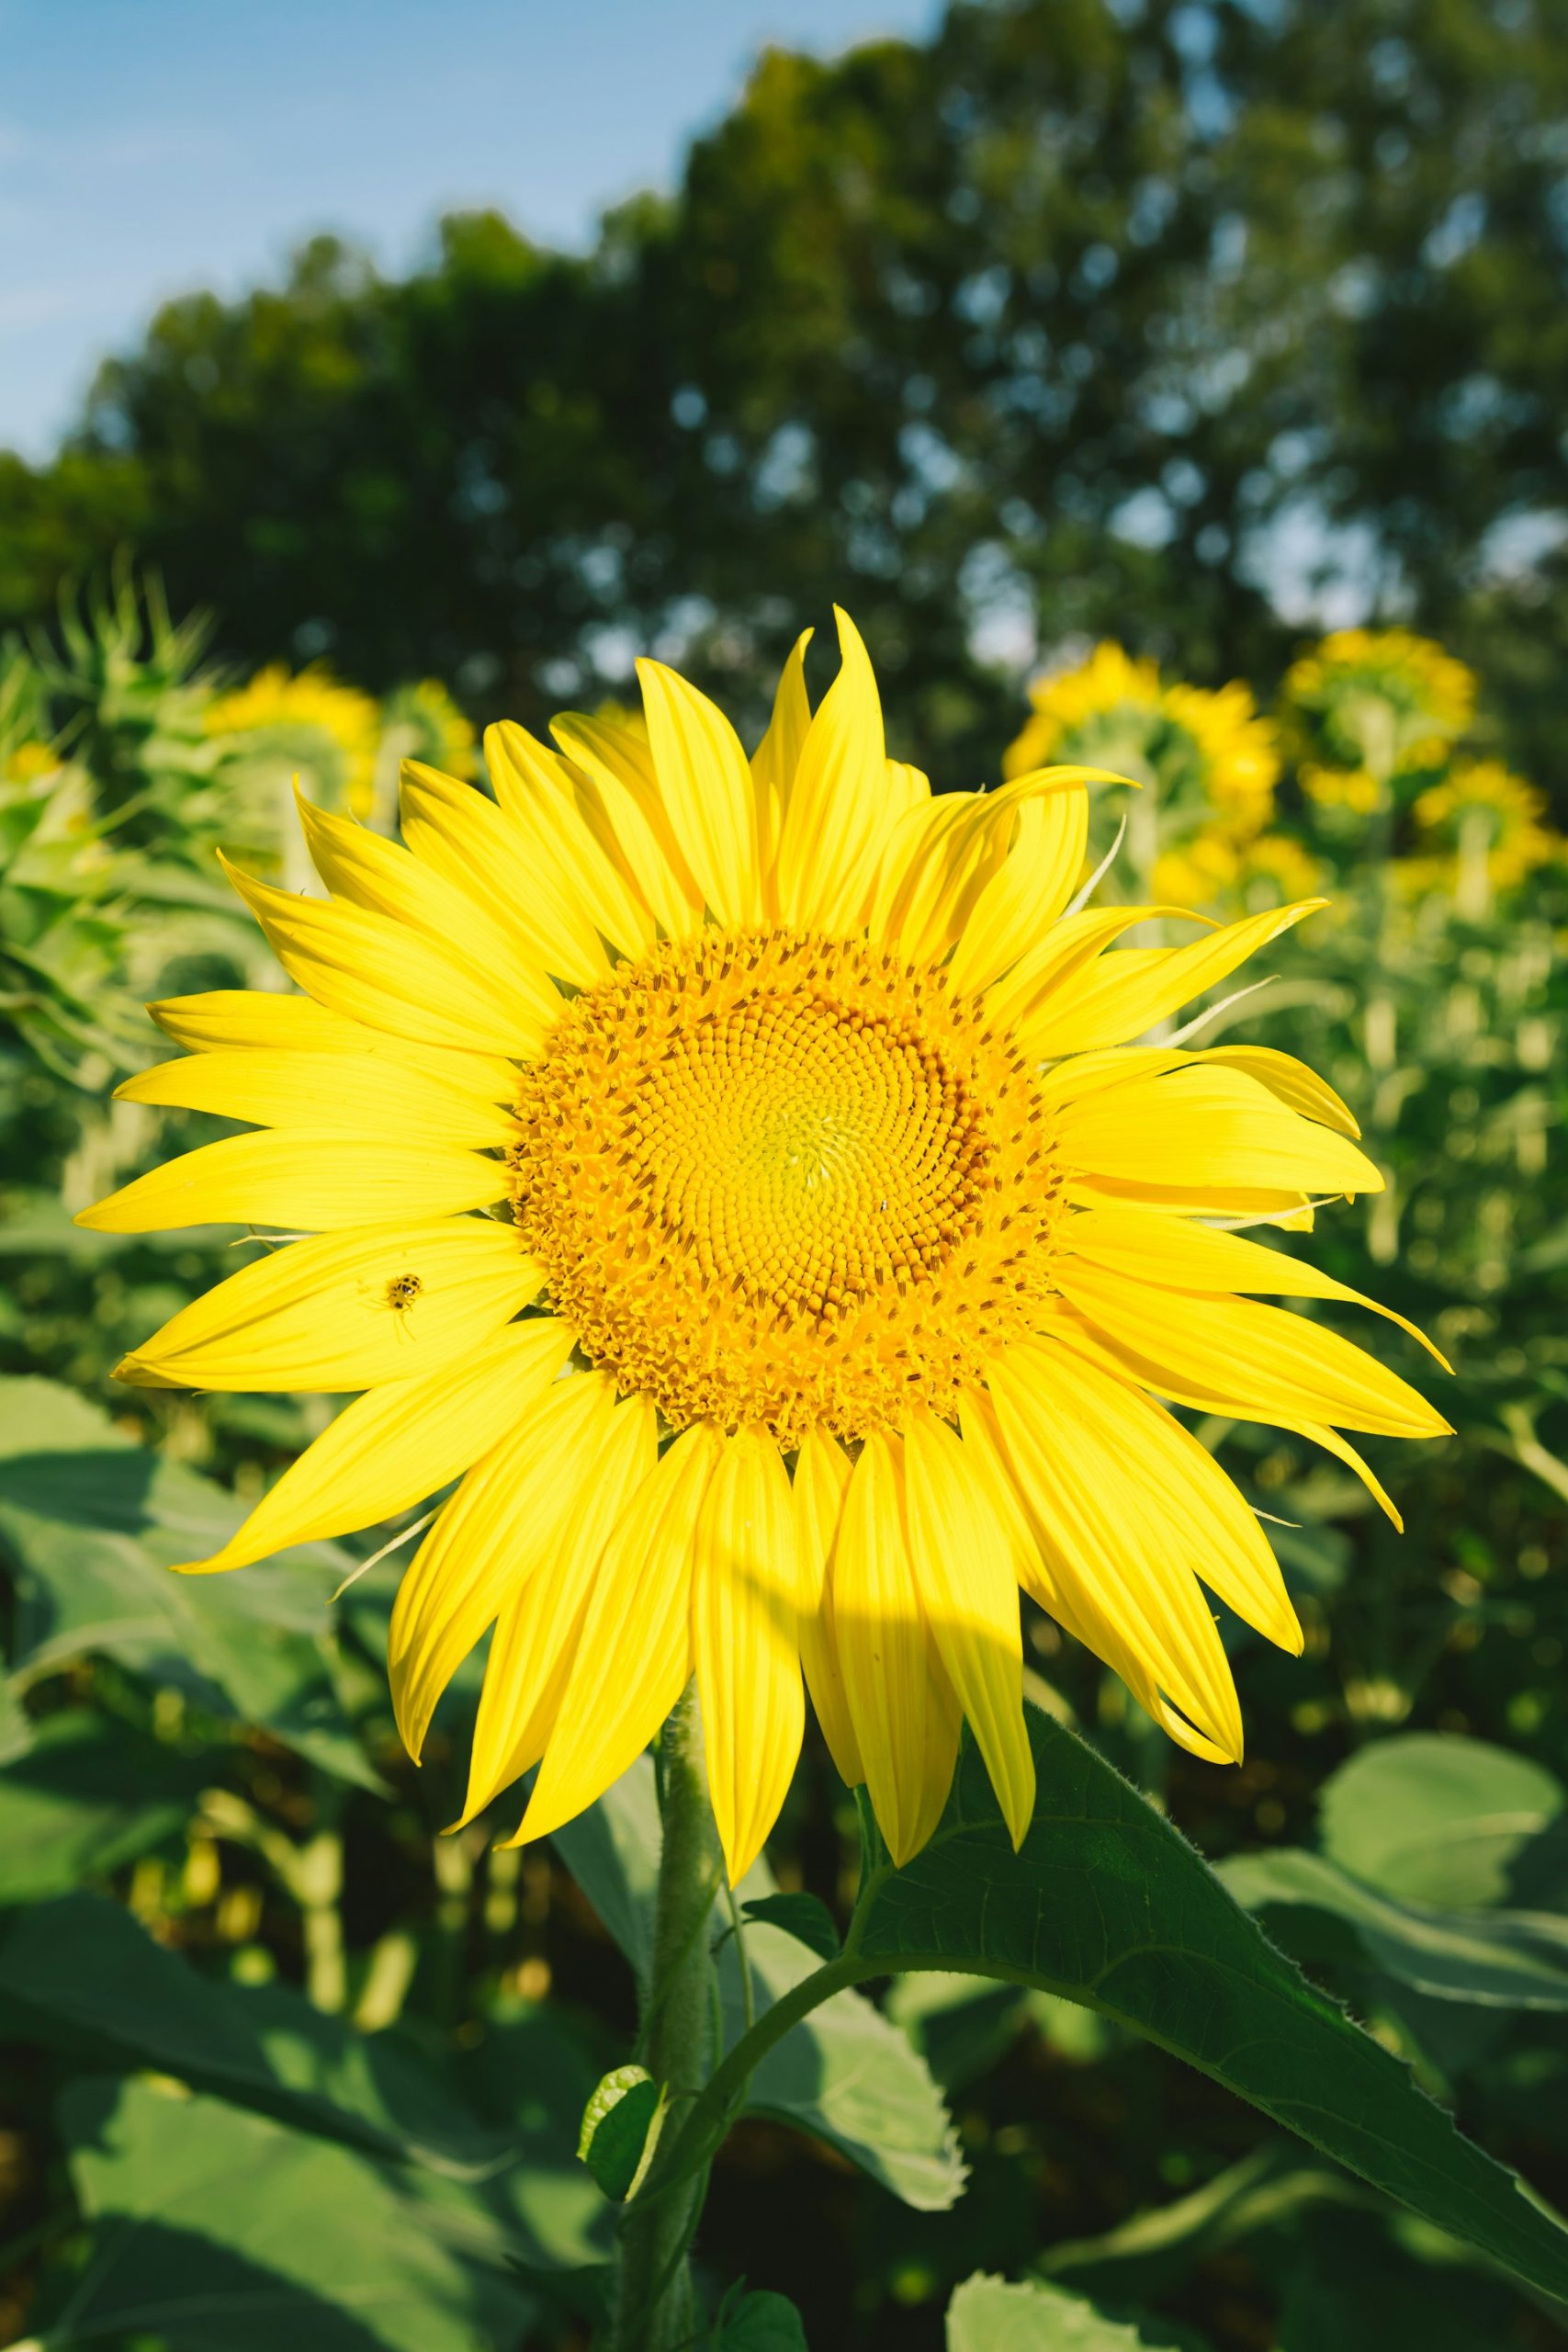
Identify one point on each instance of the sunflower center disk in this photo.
(782, 1179)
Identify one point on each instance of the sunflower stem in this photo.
(652, 2307)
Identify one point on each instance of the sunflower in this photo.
(737, 1178)
(312, 719)
(1211, 756)
(1481, 831)
(1368, 704)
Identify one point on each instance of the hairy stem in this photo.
(652, 2306)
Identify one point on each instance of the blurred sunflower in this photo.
(1210, 870)
(782, 1107)
(1369, 705)
(1210, 762)
(1480, 831)
(308, 721)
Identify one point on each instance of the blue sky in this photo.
(150, 146)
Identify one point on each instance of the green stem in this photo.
(652, 2308)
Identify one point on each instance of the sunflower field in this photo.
(1120, 2033)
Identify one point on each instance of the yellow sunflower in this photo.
(1213, 759)
(1365, 705)
(1481, 831)
(309, 717)
(737, 1175)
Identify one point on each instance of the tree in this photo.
(1056, 321)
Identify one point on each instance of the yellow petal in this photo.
(706, 787)
(551, 801)
(994, 832)
(1200, 1129)
(1025, 998)
(1047, 1577)
(1343, 1451)
(301, 1182)
(901, 1702)
(537, 1631)
(500, 1528)
(1292, 1081)
(838, 812)
(1175, 1254)
(391, 976)
(745, 1640)
(355, 1094)
(908, 787)
(1035, 881)
(1072, 1445)
(399, 1443)
(333, 1314)
(383, 877)
(634, 1658)
(1104, 1006)
(774, 764)
(508, 865)
(1227, 1355)
(619, 765)
(822, 1476)
(963, 1567)
(266, 1020)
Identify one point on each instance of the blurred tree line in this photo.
(1082, 318)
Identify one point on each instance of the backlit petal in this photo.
(902, 1706)
(746, 1643)
(962, 1567)
(706, 787)
(1231, 1356)
(536, 1633)
(634, 1658)
(300, 1182)
(821, 1477)
(1072, 1447)
(382, 972)
(399, 1443)
(502, 1527)
(838, 812)
(324, 1314)
(353, 1094)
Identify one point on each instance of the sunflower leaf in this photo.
(846, 2074)
(621, 2125)
(1501, 1960)
(993, 2316)
(1107, 1903)
(93, 1522)
(805, 1916)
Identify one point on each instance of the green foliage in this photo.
(621, 2125)
(1065, 313)
(1107, 1903)
(290, 2061)
(989, 2315)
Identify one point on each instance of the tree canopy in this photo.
(1080, 317)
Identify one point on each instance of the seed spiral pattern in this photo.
(782, 1179)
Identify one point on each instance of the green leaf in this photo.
(93, 1522)
(805, 1916)
(215, 2230)
(990, 2315)
(87, 1796)
(963, 2025)
(1151, 2251)
(758, 2322)
(1430, 1817)
(621, 2125)
(1509, 1960)
(845, 2073)
(81, 1977)
(1107, 1903)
